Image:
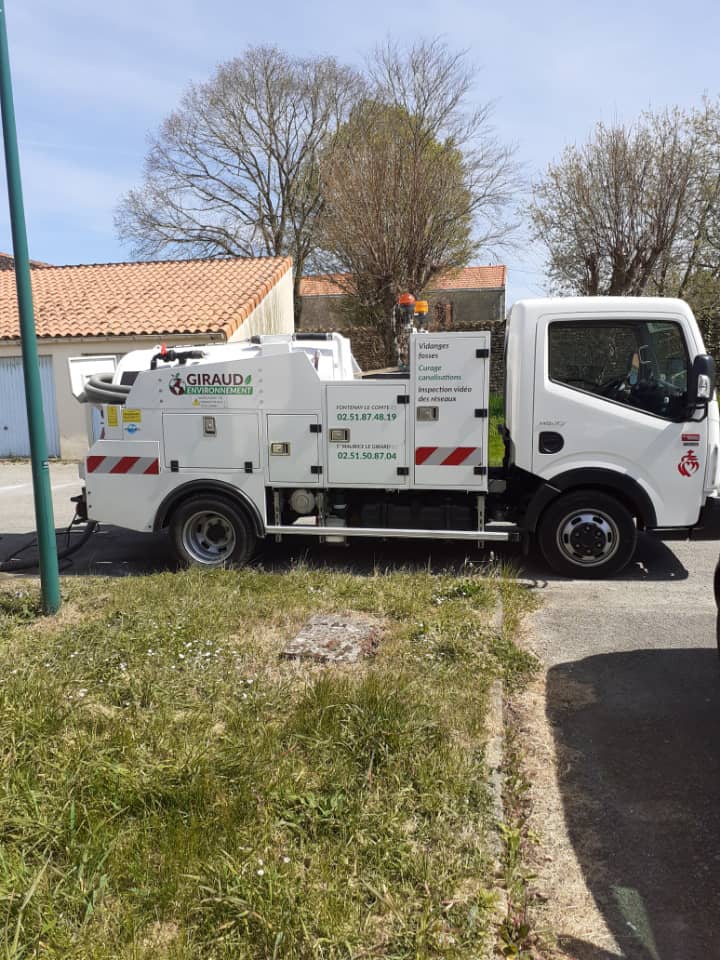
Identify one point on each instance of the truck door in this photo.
(366, 434)
(610, 393)
(450, 409)
(294, 449)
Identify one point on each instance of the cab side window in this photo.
(641, 364)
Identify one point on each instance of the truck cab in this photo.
(602, 402)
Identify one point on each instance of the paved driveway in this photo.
(109, 552)
(633, 705)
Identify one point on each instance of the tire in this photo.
(210, 531)
(587, 534)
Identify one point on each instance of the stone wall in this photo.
(448, 310)
(470, 309)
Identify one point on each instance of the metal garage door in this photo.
(14, 437)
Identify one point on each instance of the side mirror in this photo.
(701, 383)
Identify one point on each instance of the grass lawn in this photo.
(169, 787)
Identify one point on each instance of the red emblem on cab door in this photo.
(689, 464)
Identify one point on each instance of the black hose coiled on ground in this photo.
(15, 565)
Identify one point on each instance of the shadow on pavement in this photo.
(113, 551)
(638, 750)
(110, 552)
(580, 950)
(653, 560)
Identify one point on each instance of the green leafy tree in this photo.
(415, 183)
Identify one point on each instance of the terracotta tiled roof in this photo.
(472, 278)
(136, 299)
(465, 278)
(323, 285)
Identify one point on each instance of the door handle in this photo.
(550, 442)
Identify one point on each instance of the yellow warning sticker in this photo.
(112, 416)
(132, 416)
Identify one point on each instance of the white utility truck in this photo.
(611, 425)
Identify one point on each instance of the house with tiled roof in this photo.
(469, 298)
(7, 262)
(110, 309)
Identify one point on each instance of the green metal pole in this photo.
(49, 573)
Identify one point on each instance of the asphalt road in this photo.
(633, 701)
(641, 721)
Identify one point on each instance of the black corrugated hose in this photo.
(101, 389)
(14, 564)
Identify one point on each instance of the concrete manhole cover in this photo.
(335, 639)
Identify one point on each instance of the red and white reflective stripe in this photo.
(448, 456)
(691, 439)
(135, 465)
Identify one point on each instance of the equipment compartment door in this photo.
(450, 410)
(211, 441)
(293, 449)
(366, 434)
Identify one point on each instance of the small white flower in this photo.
(261, 862)
(82, 693)
(181, 656)
(261, 872)
(286, 859)
(248, 682)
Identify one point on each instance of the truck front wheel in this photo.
(587, 534)
(210, 531)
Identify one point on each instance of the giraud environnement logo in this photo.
(210, 384)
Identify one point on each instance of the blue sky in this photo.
(92, 78)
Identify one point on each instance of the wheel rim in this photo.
(208, 537)
(588, 538)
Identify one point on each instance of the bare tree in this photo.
(691, 269)
(416, 182)
(618, 212)
(233, 171)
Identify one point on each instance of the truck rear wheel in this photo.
(210, 531)
(587, 534)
